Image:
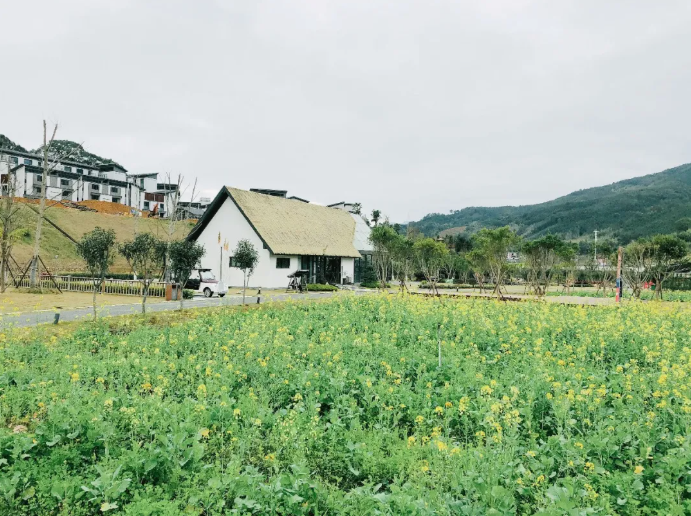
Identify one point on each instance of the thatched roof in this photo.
(290, 227)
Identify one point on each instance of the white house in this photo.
(289, 234)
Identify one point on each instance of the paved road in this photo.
(48, 316)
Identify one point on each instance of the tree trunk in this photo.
(4, 257)
(41, 207)
(145, 293)
(181, 293)
(244, 287)
(95, 290)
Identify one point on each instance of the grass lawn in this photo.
(16, 301)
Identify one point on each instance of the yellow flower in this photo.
(530, 453)
(74, 377)
(638, 470)
(439, 410)
(108, 403)
(419, 420)
(204, 432)
(236, 412)
(579, 445)
(411, 441)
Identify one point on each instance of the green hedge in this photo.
(187, 293)
(320, 287)
(373, 284)
(110, 275)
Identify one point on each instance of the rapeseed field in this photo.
(341, 407)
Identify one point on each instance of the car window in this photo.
(207, 275)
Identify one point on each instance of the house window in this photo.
(80, 171)
(232, 262)
(68, 169)
(94, 197)
(264, 245)
(39, 178)
(283, 263)
(114, 189)
(27, 161)
(66, 194)
(64, 182)
(146, 205)
(14, 159)
(94, 187)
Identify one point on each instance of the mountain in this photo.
(623, 211)
(6, 143)
(76, 153)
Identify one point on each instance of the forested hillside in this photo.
(624, 211)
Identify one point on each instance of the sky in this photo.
(409, 107)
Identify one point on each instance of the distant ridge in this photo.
(624, 210)
(6, 143)
(63, 148)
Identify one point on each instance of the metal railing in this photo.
(110, 286)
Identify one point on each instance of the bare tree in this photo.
(174, 215)
(636, 267)
(9, 210)
(48, 167)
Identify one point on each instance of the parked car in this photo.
(204, 282)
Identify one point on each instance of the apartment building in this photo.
(76, 181)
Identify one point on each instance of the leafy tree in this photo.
(97, 248)
(184, 256)
(541, 258)
(403, 260)
(246, 259)
(376, 215)
(567, 256)
(357, 208)
(430, 256)
(667, 253)
(636, 265)
(146, 256)
(383, 239)
(491, 248)
(683, 224)
(462, 244)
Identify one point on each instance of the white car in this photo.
(204, 282)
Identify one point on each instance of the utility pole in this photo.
(619, 285)
(596, 246)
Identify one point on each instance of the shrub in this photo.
(373, 284)
(320, 287)
(187, 293)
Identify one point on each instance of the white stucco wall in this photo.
(233, 226)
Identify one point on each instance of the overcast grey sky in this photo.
(407, 106)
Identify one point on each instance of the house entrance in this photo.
(322, 269)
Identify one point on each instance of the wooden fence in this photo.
(110, 286)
